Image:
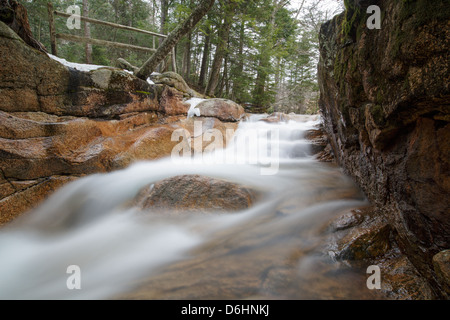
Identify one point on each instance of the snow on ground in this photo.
(86, 67)
(193, 110)
(78, 66)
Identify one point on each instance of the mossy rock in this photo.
(176, 81)
(362, 244)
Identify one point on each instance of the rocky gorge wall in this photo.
(385, 103)
(58, 123)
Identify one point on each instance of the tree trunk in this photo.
(259, 93)
(39, 30)
(204, 67)
(187, 58)
(197, 56)
(186, 69)
(227, 79)
(171, 41)
(164, 14)
(87, 33)
(217, 62)
(261, 78)
(130, 22)
(278, 82)
(238, 70)
(224, 79)
(223, 36)
(278, 73)
(116, 18)
(163, 66)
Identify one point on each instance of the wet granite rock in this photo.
(384, 101)
(58, 123)
(222, 109)
(441, 263)
(194, 193)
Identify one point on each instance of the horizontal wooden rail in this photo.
(110, 24)
(70, 37)
(73, 38)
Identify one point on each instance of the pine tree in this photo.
(254, 51)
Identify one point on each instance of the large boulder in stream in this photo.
(197, 194)
(222, 109)
(384, 100)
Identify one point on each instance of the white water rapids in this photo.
(266, 251)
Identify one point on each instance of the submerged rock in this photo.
(276, 117)
(194, 193)
(360, 238)
(348, 220)
(367, 243)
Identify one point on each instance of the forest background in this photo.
(260, 53)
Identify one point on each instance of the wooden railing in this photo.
(69, 37)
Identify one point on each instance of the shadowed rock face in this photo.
(384, 99)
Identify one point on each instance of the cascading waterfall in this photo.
(271, 250)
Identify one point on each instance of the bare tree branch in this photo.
(171, 41)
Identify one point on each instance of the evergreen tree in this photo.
(262, 52)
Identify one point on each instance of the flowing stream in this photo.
(274, 250)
